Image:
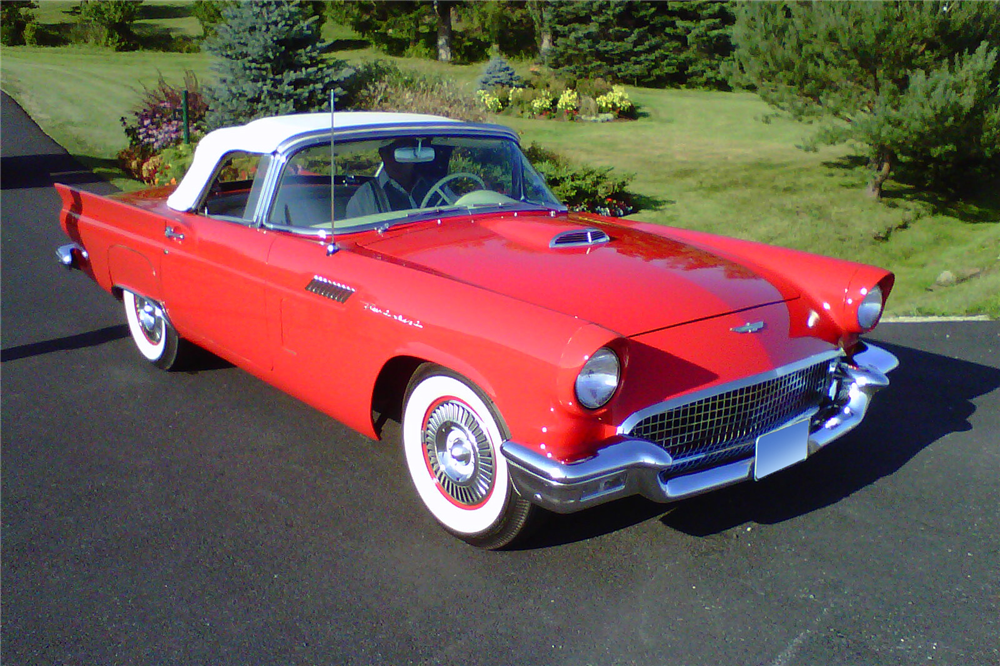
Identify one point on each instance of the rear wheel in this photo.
(152, 334)
(451, 438)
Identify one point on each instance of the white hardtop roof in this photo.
(267, 134)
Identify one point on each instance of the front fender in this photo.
(832, 287)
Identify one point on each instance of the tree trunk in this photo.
(541, 17)
(443, 10)
(881, 165)
(546, 46)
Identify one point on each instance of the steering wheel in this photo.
(436, 188)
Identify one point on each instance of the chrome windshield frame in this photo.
(279, 160)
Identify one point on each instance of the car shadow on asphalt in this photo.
(195, 358)
(930, 396)
(67, 343)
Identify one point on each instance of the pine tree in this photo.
(269, 61)
(632, 42)
(647, 43)
(397, 28)
(918, 83)
(707, 26)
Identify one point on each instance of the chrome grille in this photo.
(725, 426)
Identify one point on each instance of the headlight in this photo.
(598, 379)
(870, 309)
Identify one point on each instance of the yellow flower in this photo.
(568, 101)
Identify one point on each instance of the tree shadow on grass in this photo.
(646, 203)
(157, 11)
(348, 44)
(847, 163)
(977, 207)
(980, 208)
(162, 39)
(904, 419)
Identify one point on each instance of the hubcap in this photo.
(459, 453)
(149, 319)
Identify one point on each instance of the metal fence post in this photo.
(184, 117)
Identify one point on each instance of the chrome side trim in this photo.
(673, 403)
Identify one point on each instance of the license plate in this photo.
(781, 448)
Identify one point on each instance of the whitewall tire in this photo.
(152, 334)
(451, 439)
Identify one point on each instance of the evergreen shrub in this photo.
(16, 20)
(269, 61)
(499, 74)
(582, 187)
(114, 19)
(922, 100)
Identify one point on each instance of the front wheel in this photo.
(152, 334)
(451, 438)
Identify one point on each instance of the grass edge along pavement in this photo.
(715, 161)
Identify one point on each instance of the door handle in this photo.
(170, 233)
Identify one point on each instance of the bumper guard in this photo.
(71, 255)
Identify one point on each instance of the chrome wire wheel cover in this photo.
(150, 320)
(451, 441)
(458, 453)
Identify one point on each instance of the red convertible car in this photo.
(417, 268)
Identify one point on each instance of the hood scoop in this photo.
(579, 238)
(542, 233)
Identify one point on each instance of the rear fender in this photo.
(133, 271)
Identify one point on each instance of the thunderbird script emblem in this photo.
(748, 327)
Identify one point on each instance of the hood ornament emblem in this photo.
(748, 327)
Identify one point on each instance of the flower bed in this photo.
(155, 131)
(546, 96)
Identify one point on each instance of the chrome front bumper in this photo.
(638, 467)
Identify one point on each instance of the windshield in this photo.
(381, 182)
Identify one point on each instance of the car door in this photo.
(215, 267)
(313, 291)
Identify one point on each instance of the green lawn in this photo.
(705, 160)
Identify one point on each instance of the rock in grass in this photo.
(946, 279)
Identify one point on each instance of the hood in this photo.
(626, 280)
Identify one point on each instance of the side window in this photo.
(532, 184)
(303, 195)
(490, 162)
(357, 192)
(236, 187)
